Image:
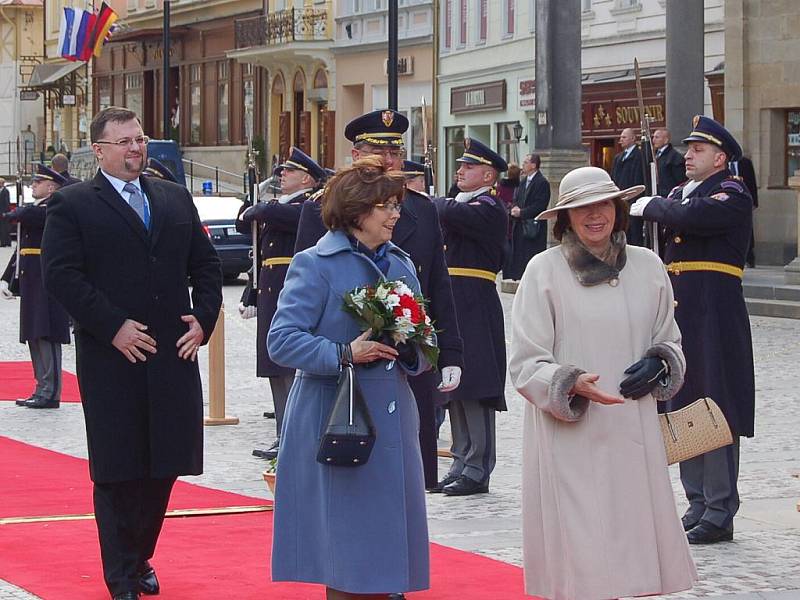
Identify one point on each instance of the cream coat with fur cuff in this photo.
(599, 516)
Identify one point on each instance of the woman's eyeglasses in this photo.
(391, 206)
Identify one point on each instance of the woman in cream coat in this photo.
(594, 346)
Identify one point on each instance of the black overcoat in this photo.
(712, 224)
(143, 419)
(627, 173)
(278, 227)
(418, 232)
(40, 316)
(474, 235)
(5, 206)
(671, 170)
(531, 201)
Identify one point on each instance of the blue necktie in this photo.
(138, 204)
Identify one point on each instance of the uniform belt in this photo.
(30, 251)
(704, 265)
(276, 260)
(467, 272)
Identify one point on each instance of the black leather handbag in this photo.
(530, 228)
(349, 433)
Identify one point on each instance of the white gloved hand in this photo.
(4, 291)
(637, 208)
(451, 377)
(247, 312)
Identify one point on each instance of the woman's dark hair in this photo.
(620, 219)
(513, 172)
(354, 191)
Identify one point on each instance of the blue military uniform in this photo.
(708, 234)
(277, 221)
(44, 324)
(475, 225)
(418, 233)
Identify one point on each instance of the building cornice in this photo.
(423, 40)
(150, 17)
(527, 65)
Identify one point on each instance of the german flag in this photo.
(105, 19)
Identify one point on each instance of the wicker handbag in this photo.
(694, 430)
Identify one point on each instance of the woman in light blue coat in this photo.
(360, 531)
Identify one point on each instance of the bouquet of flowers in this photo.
(391, 309)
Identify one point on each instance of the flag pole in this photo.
(165, 78)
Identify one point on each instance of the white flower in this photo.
(392, 300)
(407, 314)
(359, 298)
(404, 325)
(402, 289)
(399, 337)
(381, 293)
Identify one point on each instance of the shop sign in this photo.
(527, 94)
(614, 116)
(28, 95)
(478, 97)
(68, 100)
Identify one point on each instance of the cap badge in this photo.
(695, 120)
(387, 117)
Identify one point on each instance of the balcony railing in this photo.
(291, 25)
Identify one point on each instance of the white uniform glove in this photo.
(247, 312)
(451, 377)
(4, 291)
(637, 208)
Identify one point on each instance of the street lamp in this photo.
(517, 129)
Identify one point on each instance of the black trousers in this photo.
(129, 515)
(424, 388)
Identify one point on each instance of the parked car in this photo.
(218, 215)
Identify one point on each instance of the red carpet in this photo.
(16, 381)
(221, 556)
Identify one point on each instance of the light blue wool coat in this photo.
(355, 529)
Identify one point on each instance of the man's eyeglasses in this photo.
(141, 140)
(391, 206)
(377, 151)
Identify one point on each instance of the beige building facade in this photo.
(762, 109)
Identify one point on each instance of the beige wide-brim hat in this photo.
(587, 185)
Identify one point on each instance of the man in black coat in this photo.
(475, 223)
(5, 206)
(60, 163)
(708, 221)
(528, 236)
(277, 222)
(417, 232)
(627, 171)
(129, 260)
(671, 167)
(43, 324)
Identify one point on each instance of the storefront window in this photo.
(222, 98)
(507, 145)
(455, 148)
(196, 107)
(133, 93)
(792, 141)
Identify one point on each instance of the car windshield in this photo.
(217, 208)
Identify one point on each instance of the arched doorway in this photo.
(302, 118)
(279, 122)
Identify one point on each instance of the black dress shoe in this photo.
(708, 533)
(127, 596)
(397, 597)
(42, 403)
(148, 582)
(437, 489)
(464, 486)
(689, 522)
(269, 414)
(24, 401)
(269, 453)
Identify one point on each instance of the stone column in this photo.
(792, 270)
(558, 89)
(685, 58)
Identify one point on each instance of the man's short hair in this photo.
(535, 159)
(60, 163)
(115, 114)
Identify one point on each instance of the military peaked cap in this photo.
(709, 131)
(477, 153)
(300, 161)
(379, 128)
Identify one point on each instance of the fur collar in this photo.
(588, 268)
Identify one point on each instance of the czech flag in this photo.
(105, 19)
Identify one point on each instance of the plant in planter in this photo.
(270, 474)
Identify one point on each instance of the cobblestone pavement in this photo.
(761, 564)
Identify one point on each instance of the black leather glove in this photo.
(407, 354)
(643, 376)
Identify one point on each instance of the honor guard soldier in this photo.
(43, 323)
(709, 221)
(475, 225)
(278, 221)
(155, 168)
(414, 173)
(380, 133)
